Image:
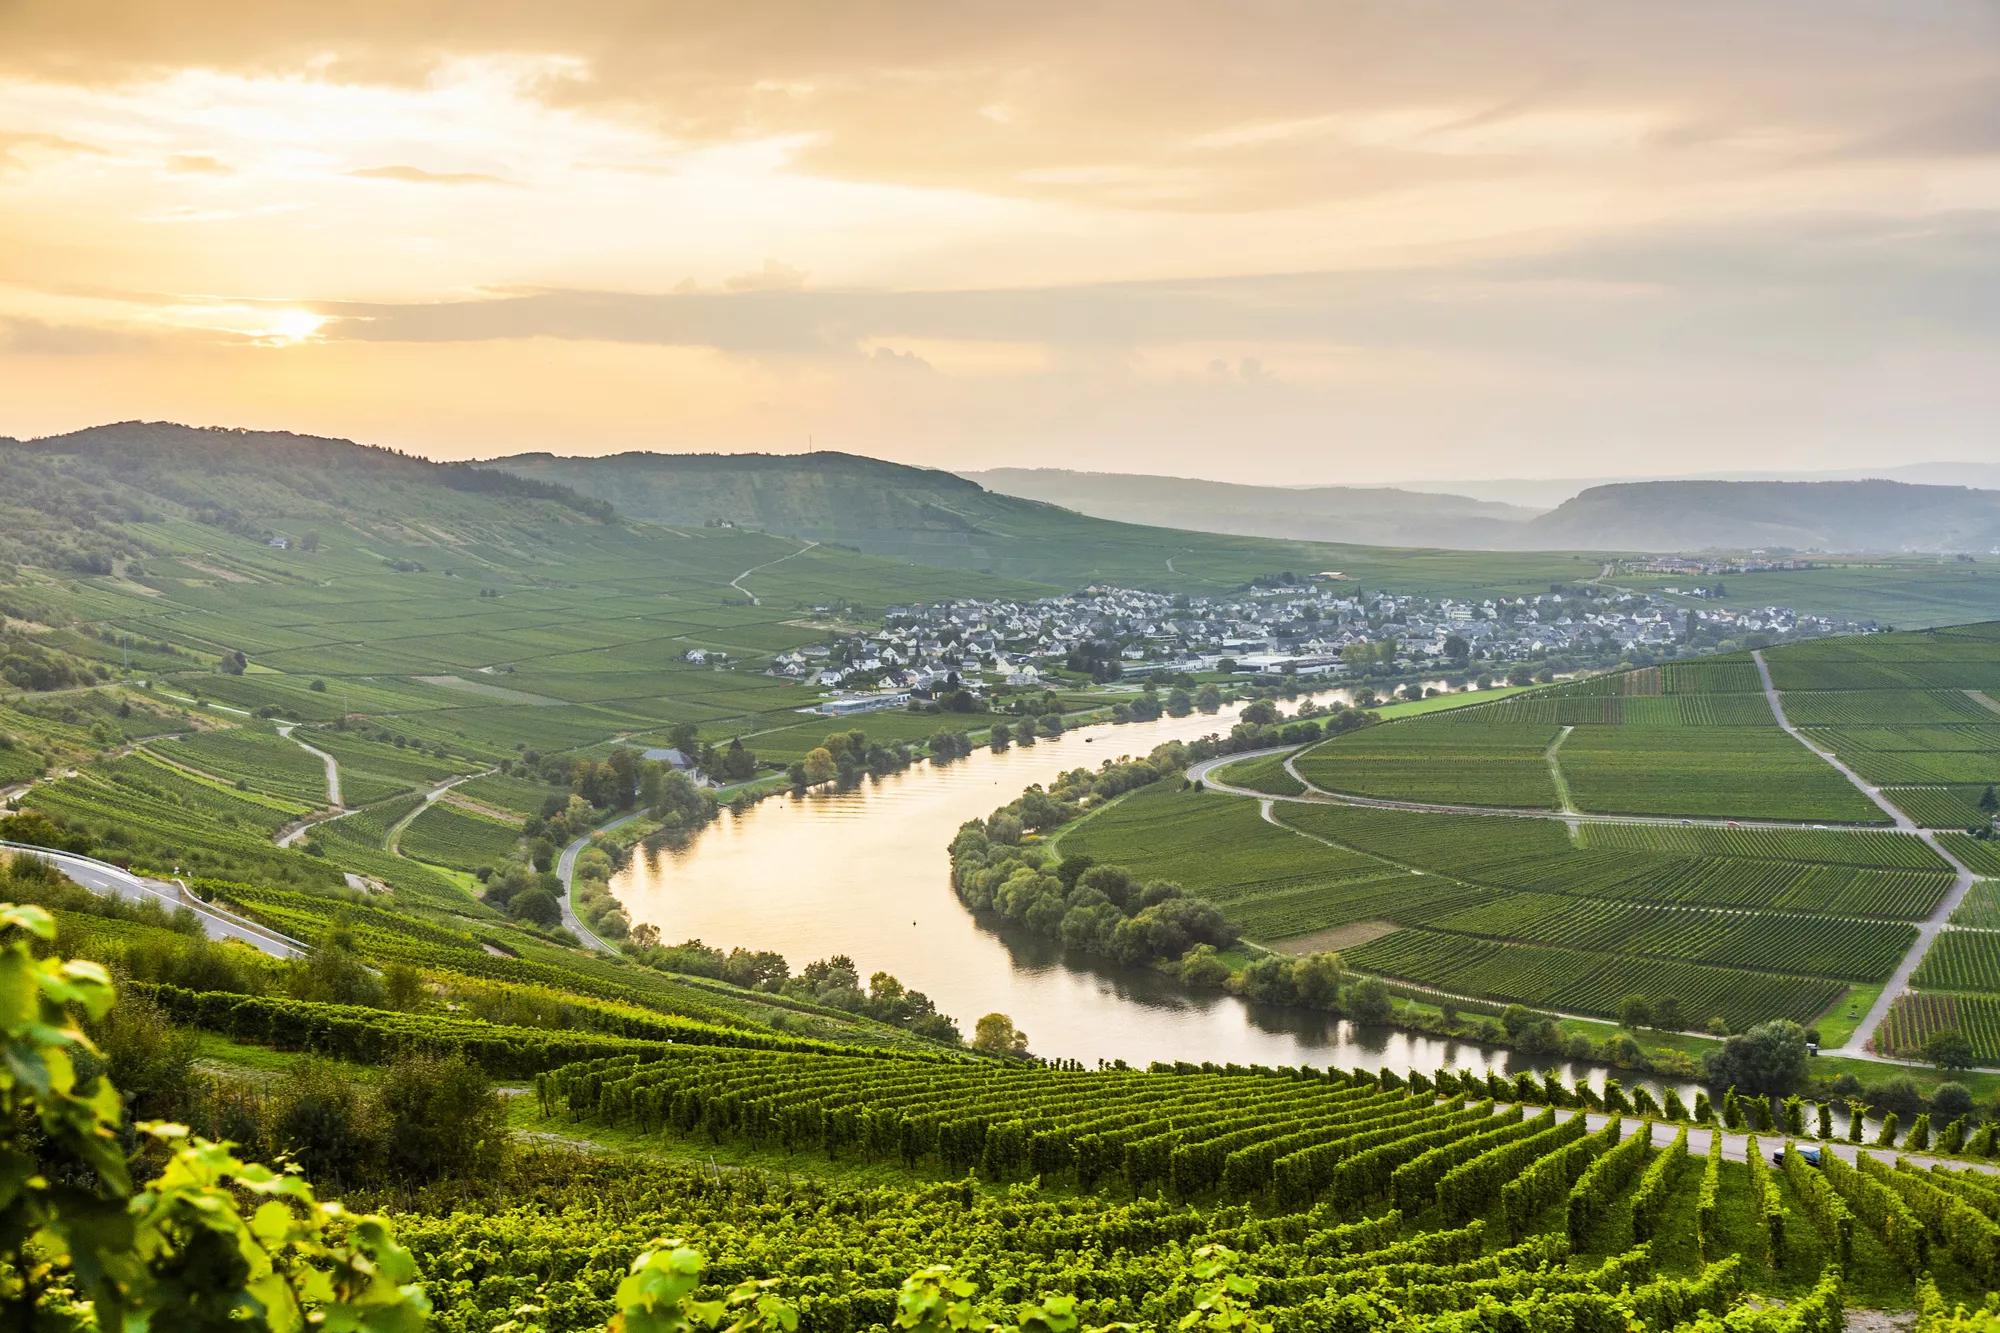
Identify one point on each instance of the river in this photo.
(865, 872)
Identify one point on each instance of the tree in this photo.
(1769, 1058)
(996, 1034)
(1208, 698)
(1367, 1001)
(1667, 1014)
(1948, 1048)
(536, 905)
(820, 766)
(1635, 1012)
(1989, 801)
(309, 542)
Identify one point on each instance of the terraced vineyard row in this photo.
(1592, 983)
(1326, 1184)
(1858, 848)
(1915, 1016)
(1939, 807)
(450, 835)
(1426, 760)
(1878, 708)
(1556, 708)
(1962, 960)
(1827, 946)
(260, 759)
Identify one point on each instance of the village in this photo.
(1317, 628)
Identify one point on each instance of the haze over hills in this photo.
(1375, 516)
(1548, 492)
(1845, 516)
(1669, 515)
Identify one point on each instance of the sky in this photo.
(1273, 242)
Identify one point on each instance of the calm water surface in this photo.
(865, 872)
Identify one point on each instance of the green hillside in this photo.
(936, 518)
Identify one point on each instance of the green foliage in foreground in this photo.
(80, 1248)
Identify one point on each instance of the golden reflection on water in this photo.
(866, 873)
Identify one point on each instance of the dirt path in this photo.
(737, 582)
(332, 765)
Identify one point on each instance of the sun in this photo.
(287, 328)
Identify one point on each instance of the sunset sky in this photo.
(1285, 242)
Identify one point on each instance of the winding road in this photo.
(217, 923)
(1856, 1046)
(566, 871)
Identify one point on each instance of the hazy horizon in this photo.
(1369, 244)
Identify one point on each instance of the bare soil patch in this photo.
(1334, 938)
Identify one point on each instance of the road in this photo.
(1927, 930)
(1855, 1047)
(566, 871)
(217, 923)
(737, 582)
(332, 764)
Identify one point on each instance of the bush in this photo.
(442, 1118)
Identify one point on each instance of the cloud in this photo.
(418, 176)
(17, 147)
(1263, 105)
(36, 337)
(198, 164)
(1823, 288)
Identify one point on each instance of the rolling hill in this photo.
(939, 518)
(1375, 516)
(1804, 515)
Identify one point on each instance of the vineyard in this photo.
(1939, 807)
(1433, 759)
(1737, 924)
(1741, 772)
(1342, 1193)
(1916, 1016)
(1262, 774)
(450, 835)
(260, 760)
(1574, 981)
(1962, 960)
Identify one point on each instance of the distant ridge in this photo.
(1378, 516)
(1803, 515)
(1674, 515)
